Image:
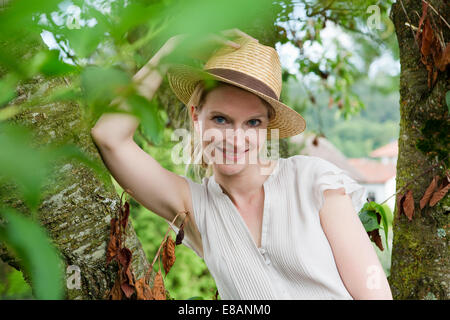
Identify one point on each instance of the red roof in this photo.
(373, 170)
(389, 150)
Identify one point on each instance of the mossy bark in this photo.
(76, 206)
(420, 256)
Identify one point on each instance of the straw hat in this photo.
(253, 67)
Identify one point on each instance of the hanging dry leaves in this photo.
(116, 292)
(114, 241)
(441, 191)
(158, 290)
(399, 201)
(433, 54)
(444, 61)
(125, 213)
(180, 234)
(127, 289)
(429, 192)
(143, 290)
(408, 205)
(168, 254)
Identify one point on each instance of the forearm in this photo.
(113, 128)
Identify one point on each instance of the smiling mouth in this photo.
(232, 154)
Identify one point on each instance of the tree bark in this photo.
(420, 256)
(77, 207)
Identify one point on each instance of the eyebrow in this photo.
(226, 116)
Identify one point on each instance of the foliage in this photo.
(12, 284)
(39, 258)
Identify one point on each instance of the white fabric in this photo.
(295, 260)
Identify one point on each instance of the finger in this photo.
(227, 42)
(236, 32)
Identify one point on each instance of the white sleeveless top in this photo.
(295, 260)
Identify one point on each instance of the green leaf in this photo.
(38, 256)
(48, 63)
(101, 85)
(25, 166)
(7, 89)
(369, 212)
(85, 40)
(369, 220)
(147, 111)
(135, 14)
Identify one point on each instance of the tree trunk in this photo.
(77, 207)
(420, 256)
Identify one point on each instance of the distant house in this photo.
(377, 174)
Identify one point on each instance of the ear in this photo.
(194, 116)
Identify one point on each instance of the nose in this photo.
(235, 140)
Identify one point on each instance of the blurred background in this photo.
(62, 62)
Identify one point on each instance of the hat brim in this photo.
(183, 80)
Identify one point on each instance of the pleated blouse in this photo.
(295, 260)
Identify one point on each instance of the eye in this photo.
(253, 123)
(218, 118)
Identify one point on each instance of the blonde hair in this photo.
(197, 100)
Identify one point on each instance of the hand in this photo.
(195, 48)
(201, 48)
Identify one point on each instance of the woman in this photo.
(278, 229)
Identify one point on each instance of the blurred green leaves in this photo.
(21, 164)
(37, 255)
(101, 85)
(151, 122)
(48, 63)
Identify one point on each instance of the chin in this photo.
(229, 169)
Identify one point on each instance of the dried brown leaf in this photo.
(143, 290)
(124, 257)
(168, 254)
(125, 214)
(444, 59)
(429, 192)
(441, 192)
(400, 200)
(422, 18)
(408, 205)
(127, 289)
(375, 237)
(158, 290)
(180, 235)
(116, 292)
(114, 241)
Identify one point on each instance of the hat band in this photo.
(245, 80)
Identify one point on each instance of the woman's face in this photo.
(230, 122)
